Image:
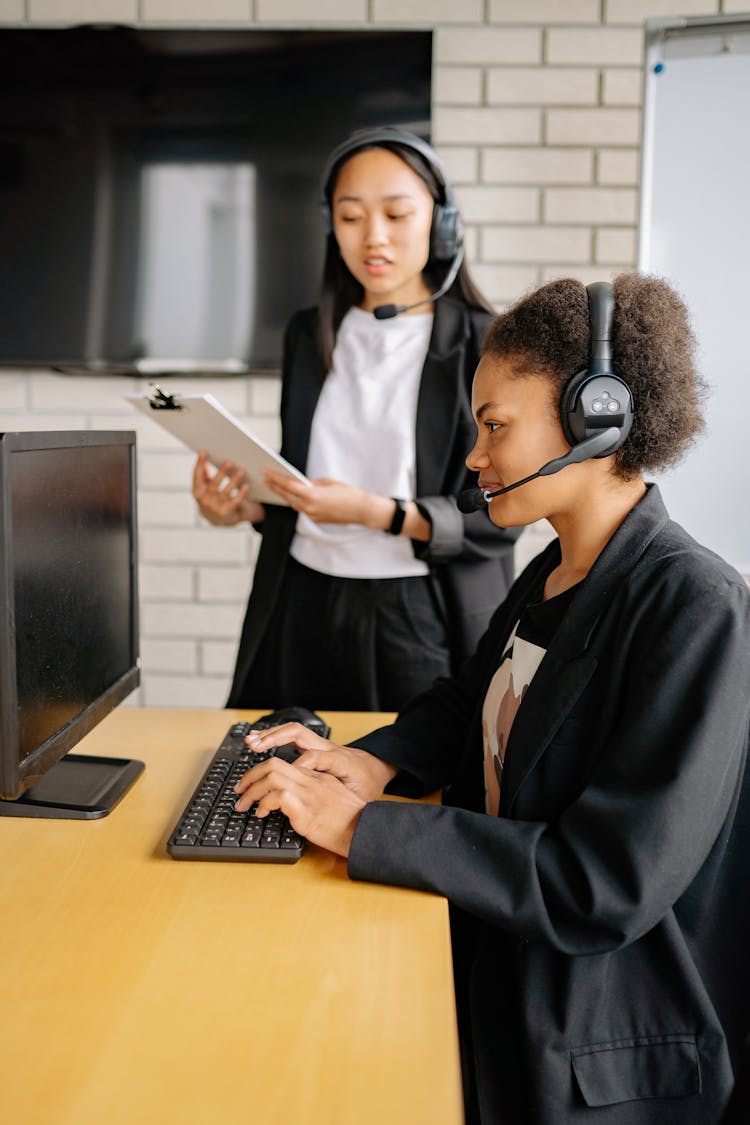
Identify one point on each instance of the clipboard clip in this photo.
(160, 400)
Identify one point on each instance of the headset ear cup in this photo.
(325, 212)
(596, 399)
(446, 235)
(591, 402)
(571, 421)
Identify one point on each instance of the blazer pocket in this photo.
(664, 1066)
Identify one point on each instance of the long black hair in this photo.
(340, 290)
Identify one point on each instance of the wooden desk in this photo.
(143, 990)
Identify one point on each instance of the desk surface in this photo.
(137, 988)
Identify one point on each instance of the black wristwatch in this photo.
(398, 517)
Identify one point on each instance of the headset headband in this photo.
(596, 398)
(387, 134)
(447, 230)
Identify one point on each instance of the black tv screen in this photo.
(159, 188)
(68, 594)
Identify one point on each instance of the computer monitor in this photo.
(68, 616)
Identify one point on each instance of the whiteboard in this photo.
(695, 232)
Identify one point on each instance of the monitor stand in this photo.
(78, 787)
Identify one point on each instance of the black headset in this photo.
(596, 406)
(596, 399)
(447, 231)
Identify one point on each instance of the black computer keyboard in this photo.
(210, 828)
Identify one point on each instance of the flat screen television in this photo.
(159, 188)
(68, 616)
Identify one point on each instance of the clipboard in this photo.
(201, 422)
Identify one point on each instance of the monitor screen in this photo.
(68, 553)
(160, 187)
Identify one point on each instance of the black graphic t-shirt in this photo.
(522, 654)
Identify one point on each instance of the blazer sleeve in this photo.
(658, 794)
(456, 536)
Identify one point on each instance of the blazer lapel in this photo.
(439, 395)
(568, 664)
(303, 392)
(551, 696)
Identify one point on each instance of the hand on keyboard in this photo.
(359, 771)
(317, 804)
(211, 827)
(285, 748)
(322, 794)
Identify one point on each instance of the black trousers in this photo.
(348, 644)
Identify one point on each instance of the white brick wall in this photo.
(461, 163)
(487, 46)
(544, 11)
(618, 166)
(166, 583)
(622, 87)
(536, 112)
(606, 46)
(486, 125)
(427, 12)
(541, 85)
(538, 244)
(613, 246)
(483, 204)
(636, 11)
(325, 11)
(457, 85)
(590, 205)
(593, 127)
(196, 11)
(82, 11)
(537, 165)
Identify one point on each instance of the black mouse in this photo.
(297, 715)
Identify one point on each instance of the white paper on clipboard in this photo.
(201, 422)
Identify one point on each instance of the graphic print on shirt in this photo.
(516, 670)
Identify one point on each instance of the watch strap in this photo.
(398, 517)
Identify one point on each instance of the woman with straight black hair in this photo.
(369, 582)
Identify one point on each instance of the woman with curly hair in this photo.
(594, 835)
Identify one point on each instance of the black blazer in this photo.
(470, 560)
(609, 899)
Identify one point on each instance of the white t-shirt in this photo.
(364, 433)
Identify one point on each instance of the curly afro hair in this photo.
(547, 333)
